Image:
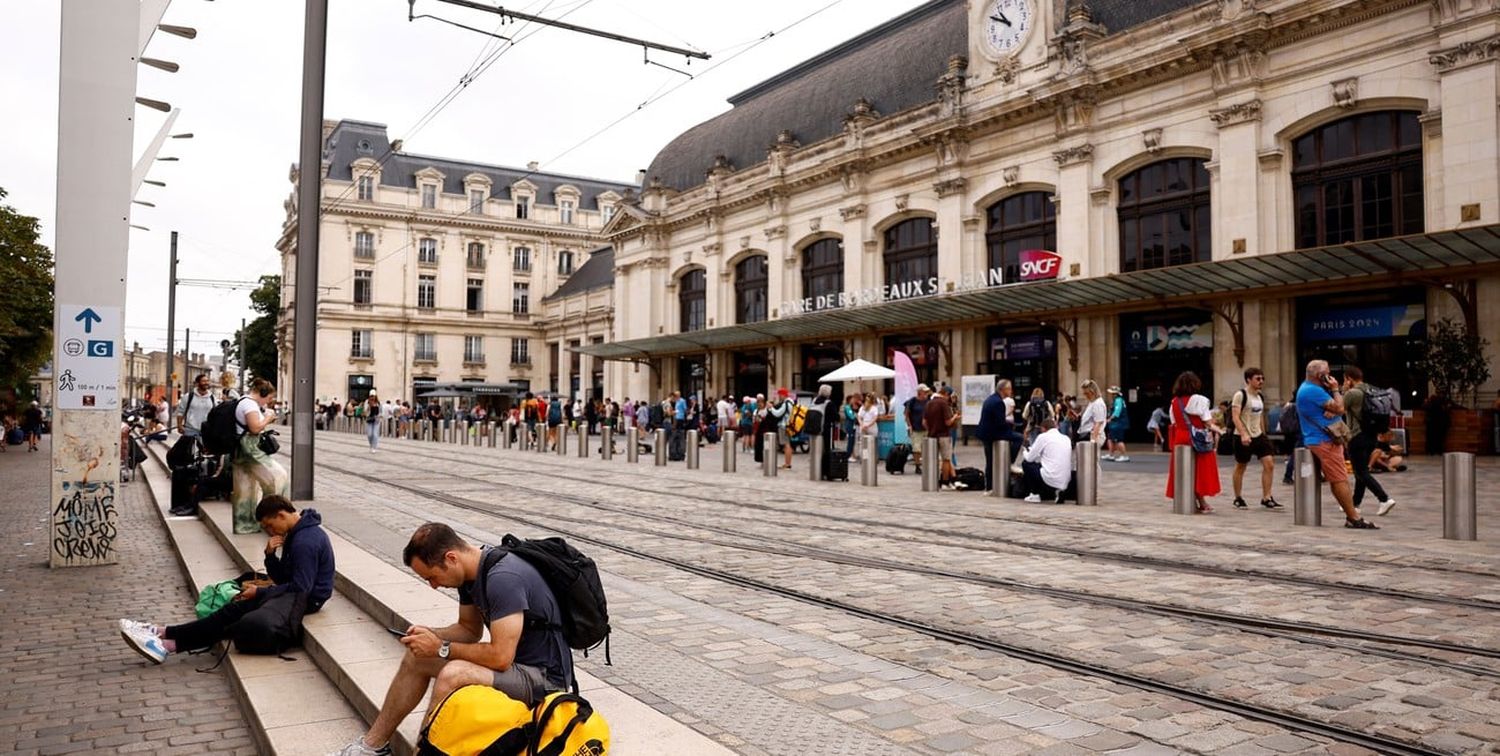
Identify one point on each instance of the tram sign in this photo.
(1040, 265)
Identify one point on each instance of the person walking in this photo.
(1191, 409)
(1362, 442)
(194, 407)
(1320, 411)
(1247, 412)
(1091, 421)
(256, 475)
(1114, 429)
(31, 425)
(916, 413)
(373, 413)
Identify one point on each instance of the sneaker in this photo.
(1033, 499)
(960, 485)
(358, 748)
(1271, 503)
(1107, 458)
(946, 487)
(1122, 458)
(1239, 503)
(144, 642)
(1385, 507)
(128, 625)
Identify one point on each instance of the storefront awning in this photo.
(1460, 252)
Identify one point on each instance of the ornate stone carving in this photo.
(745, 242)
(1229, 10)
(1010, 174)
(1241, 112)
(779, 155)
(950, 86)
(1465, 54)
(1239, 62)
(1345, 92)
(1006, 70)
(1072, 155)
(852, 211)
(1074, 110)
(950, 186)
(857, 121)
(1074, 39)
(687, 255)
(1100, 195)
(853, 176)
(815, 225)
(713, 248)
(902, 202)
(951, 149)
(1152, 140)
(1270, 160)
(775, 232)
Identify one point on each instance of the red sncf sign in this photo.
(1039, 264)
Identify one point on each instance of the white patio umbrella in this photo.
(859, 370)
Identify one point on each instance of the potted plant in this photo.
(1455, 364)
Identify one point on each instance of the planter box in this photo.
(1470, 431)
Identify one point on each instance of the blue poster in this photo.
(1364, 323)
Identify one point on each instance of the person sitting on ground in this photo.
(1387, 457)
(301, 583)
(1047, 467)
(525, 660)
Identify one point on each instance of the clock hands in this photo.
(1000, 16)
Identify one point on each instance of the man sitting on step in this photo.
(526, 656)
(301, 582)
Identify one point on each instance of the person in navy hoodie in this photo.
(996, 423)
(301, 582)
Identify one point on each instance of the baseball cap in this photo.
(1114, 390)
(783, 392)
(923, 387)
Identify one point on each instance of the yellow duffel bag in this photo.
(477, 720)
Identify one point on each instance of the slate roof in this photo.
(1119, 15)
(596, 272)
(351, 140)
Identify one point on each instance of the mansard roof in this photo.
(596, 272)
(1119, 15)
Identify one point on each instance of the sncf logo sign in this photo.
(1039, 265)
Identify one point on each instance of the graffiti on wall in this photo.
(85, 523)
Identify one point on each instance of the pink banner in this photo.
(906, 388)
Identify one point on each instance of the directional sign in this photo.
(87, 374)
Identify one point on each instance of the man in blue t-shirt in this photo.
(525, 660)
(1319, 405)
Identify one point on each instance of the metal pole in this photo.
(1307, 496)
(1183, 480)
(583, 441)
(869, 464)
(660, 447)
(728, 451)
(633, 444)
(768, 455)
(1087, 458)
(187, 361)
(1000, 475)
(607, 443)
(1460, 519)
(309, 217)
(815, 453)
(506, 439)
(242, 357)
(931, 465)
(171, 320)
(692, 449)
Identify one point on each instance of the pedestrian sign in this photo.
(88, 366)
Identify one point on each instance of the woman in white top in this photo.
(1091, 422)
(869, 412)
(256, 474)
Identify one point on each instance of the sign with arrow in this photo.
(88, 366)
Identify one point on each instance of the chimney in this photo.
(640, 177)
(533, 165)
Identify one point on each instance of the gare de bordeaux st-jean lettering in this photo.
(1036, 265)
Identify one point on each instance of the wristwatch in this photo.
(444, 649)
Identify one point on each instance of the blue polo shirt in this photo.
(679, 411)
(1310, 400)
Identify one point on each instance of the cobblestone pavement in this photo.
(1438, 708)
(74, 686)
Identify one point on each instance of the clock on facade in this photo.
(1006, 24)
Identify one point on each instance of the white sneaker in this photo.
(145, 643)
(1122, 459)
(946, 487)
(129, 625)
(1032, 499)
(358, 748)
(1385, 507)
(960, 485)
(1107, 458)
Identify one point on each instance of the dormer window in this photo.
(523, 207)
(565, 263)
(565, 210)
(608, 211)
(364, 147)
(429, 196)
(523, 192)
(476, 201)
(477, 185)
(366, 188)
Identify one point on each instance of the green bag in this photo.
(216, 596)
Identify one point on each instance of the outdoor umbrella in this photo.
(859, 370)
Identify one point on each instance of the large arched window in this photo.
(1358, 178)
(1019, 222)
(1164, 215)
(910, 257)
(692, 288)
(750, 278)
(823, 272)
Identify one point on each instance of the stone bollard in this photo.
(660, 447)
(1460, 518)
(633, 445)
(768, 455)
(1184, 480)
(727, 448)
(931, 466)
(1088, 474)
(1307, 495)
(869, 463)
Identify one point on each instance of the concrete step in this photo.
(292, 707)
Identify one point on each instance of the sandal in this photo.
(1271, 503)
(1239, 503)
(1360, 524)
(1204, 508)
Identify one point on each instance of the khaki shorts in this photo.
(1331, 461)
(917, 439)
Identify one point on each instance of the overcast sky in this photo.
(240, 85)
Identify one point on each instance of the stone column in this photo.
(1074, 212)
(1469, 76)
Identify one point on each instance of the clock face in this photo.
(1006, 24)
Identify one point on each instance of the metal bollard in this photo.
(506, 439)
(727, 447)
(692, 449)
(1460, 519)
(607, 444)
(633, 445)
(463, 437)
(541, 438)
(489, 433)
(869, 465)
(931, 465)
(815, 453)
(1307, 495)
(1183, 481)
(660, 447)
(1001, 481)
(768, 466)
(583, 441)
(1087, 458)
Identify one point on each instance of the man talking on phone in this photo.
(526, 656)
(1320, 408)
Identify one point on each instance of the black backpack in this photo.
(220, 432)
(574, 581)
(813, 425)
(1289, 423)
(1379, 406)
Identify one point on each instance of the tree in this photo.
(1455, 361)
(259, 335)
(26, 307)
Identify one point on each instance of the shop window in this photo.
(911, 257)
(692, 303)
(751, 275)
(1164, 215)
(823, 272)
(1019, 222)
(1358, 178)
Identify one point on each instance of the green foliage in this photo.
(1455, 361)
(26, 307)
(260, 357)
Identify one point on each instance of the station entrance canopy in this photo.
(1444, 255)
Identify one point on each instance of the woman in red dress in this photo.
(1189, 406)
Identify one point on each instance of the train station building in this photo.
(1056, 190)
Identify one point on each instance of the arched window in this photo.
(823, 272)
(750, 278)
(1358, 178)
(1019, 222)
(692, 288)
(910, 257)
(1164, 215)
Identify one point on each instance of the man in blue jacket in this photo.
(301, 582)
(996, 423)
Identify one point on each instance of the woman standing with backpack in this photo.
(256, 474)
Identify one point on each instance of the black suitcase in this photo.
(971, 477)
(895, 462)
(838, 466)
(184, 488)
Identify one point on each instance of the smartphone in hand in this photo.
(395, 632)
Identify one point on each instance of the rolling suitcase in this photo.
(838, 466)
(184, 485)
(895, 462)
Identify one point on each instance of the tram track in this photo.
(1289, 720)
